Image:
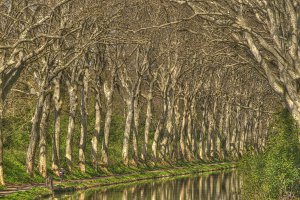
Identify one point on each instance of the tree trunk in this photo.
(160, 126)
(56, 136)
(83, 111)
(227, 130)
(250, 131)
(260, 135)
(201, 144)
(176, 130)
(183, 131)
(234, 134)
(108, 91)
(1, 139)
(239, 134)
(136, 120)
(135, 133)
(95, 137)
(294, 110)
(71, 126)
(190, 149)
(253, 130)
(169, 126)
(127, 131)
(193, 116)
(34, 135)
(243, 133)
(147, 124)
(157, 132)
(210, 136)
(247, 131)
(214, 137)
(221, 133)
(43, 133)
(203, 133)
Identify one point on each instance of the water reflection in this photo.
(221, 186)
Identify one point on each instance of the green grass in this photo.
(33, 193)
(15, 170)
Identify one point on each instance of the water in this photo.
(218, 186)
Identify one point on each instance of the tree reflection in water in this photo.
(220, 186)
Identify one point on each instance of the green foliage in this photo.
(34, 193)
(15, 170)
(275, 172)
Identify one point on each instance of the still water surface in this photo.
(219, 186)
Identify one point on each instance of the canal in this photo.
(221, 185)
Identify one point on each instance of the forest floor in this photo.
(37, 190)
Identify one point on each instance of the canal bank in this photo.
(38, 190)
(224, 184)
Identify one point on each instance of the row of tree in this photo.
(185, 90)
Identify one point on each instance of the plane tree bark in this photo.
(57, 100)
(97, 88)
(84, 116)
(149, 113)
(43, 133)
(109, 89)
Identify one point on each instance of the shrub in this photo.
(275, 172)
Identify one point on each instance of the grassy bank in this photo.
(16, 147)
(274, 173)
(140, 174)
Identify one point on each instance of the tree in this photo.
(270, 31)
(19, 45)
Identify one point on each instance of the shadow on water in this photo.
(223, 185)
